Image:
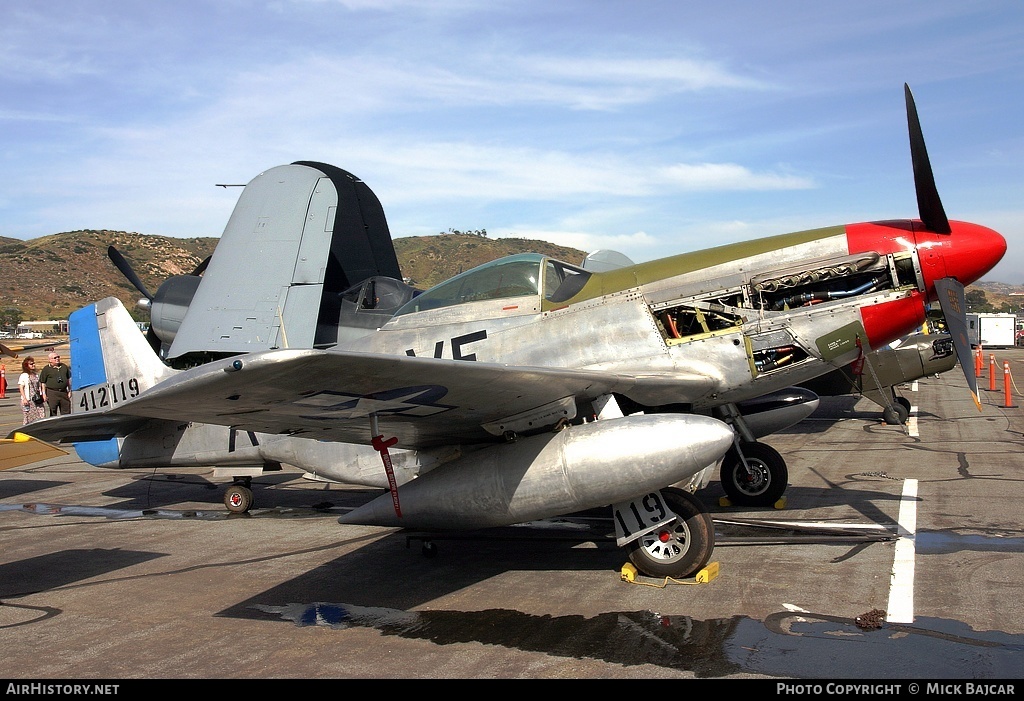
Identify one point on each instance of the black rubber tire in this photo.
(896, 415)
(681, 548)
(238, 499)
(764, 486)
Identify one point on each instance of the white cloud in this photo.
(728, 176)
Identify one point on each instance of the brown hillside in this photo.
(50, 277)
(428, 260)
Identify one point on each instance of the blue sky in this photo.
(650, 128)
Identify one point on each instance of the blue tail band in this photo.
(87, 366)
(87, 369)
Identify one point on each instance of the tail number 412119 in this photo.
(103, 396)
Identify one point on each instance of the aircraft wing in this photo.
(330, 395)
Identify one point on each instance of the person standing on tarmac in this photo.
(29, 387)
(55, 379)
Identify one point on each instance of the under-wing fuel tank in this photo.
(577, 468)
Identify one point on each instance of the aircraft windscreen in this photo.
(513, 276)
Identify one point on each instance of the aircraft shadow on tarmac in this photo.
(64, 568)
(15, 487)
(392, 572)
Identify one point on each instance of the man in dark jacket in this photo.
(55, 379)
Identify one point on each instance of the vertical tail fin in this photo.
(111, 361)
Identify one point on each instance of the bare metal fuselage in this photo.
(627, 321)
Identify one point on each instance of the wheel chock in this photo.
(781, 503)
(708, 573)
(628, 573)
(724, 501)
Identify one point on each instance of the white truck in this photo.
(992, 330)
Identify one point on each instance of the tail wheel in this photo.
(761, 482)
(680, 548)
(238, 498)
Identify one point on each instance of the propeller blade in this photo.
(121, 264)
(929, 206)
(954, 306)
(4, 350)
(202, 266)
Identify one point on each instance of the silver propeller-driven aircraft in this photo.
(523, 389)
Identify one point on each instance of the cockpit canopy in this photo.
(522, 275)
(366, 307)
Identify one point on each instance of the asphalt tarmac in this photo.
(133, 574)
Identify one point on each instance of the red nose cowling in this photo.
(966, 253)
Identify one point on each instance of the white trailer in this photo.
(992, 330)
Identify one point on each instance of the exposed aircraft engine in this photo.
(581, 467)
(808, 276)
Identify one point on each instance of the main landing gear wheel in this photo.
(238, 498)
(761, 482)
(680, 548)
(898, 413)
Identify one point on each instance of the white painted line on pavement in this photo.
(901, 582)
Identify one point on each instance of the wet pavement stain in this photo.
(937, 542)
(633, 638)
(792, 645)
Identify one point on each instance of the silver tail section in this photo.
(581, 467)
